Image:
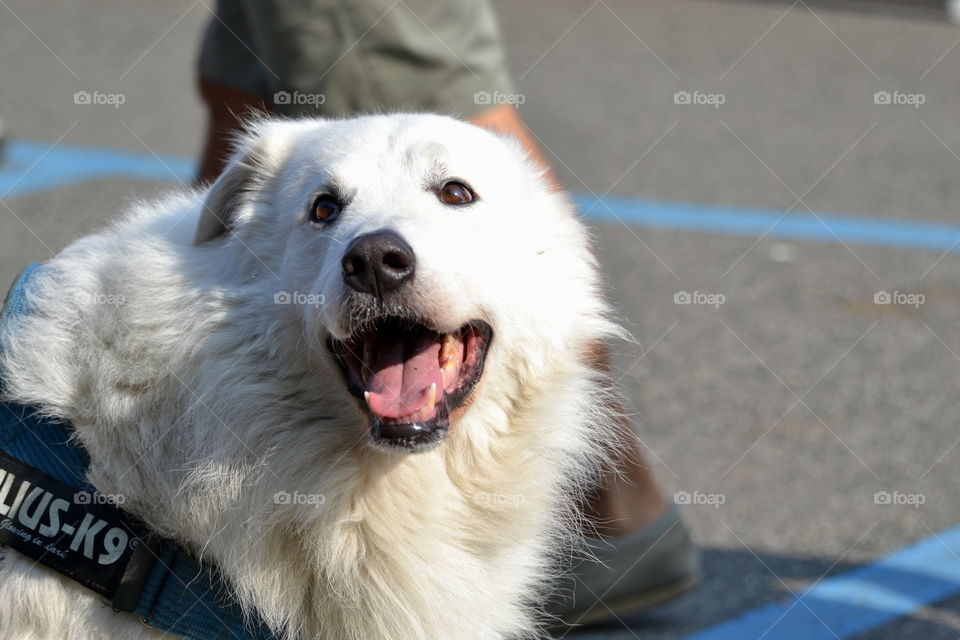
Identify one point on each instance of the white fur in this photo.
(199, 399)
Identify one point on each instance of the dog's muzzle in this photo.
(407, 375)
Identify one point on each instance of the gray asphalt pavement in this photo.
(798, 398)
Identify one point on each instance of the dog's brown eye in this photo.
(455, 193)
(325, 208)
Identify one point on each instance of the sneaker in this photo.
(628, 574)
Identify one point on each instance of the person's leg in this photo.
(226, 108)
(645, 555)
(626, 501)
(628, 498)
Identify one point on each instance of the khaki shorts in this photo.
(342, 57)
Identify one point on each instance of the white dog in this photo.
(352, 375)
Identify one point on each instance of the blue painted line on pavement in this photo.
(858, 600)
(681, 216)
(36, 166)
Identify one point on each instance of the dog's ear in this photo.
(261, 152)
(225, 196)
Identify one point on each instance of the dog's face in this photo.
(423, 255)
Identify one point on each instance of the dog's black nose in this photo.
(378, 263)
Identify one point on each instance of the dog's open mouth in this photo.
(410, 377)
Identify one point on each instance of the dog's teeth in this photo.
(448, 371)
(431, 398)
(449, 353)
(366, 397)
(449, 347)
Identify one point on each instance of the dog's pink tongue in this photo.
(403, 369)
